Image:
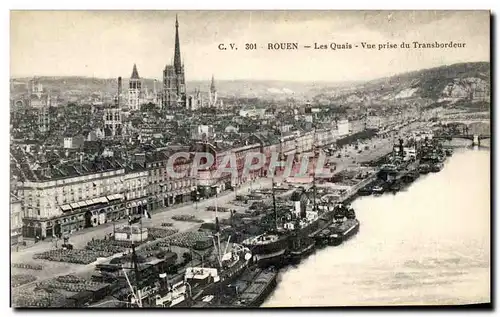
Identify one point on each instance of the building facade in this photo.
(16, 220)
(84, 198)
(136, 189)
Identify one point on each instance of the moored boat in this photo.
(424, 168)
(378, 190)
(269, 248)
(301, 222)
(395, 186)
(343, 228)
(305, 248)
(365, 191)
(258, 289)
(437, 167)
(340, 232)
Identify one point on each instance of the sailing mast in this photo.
(315, 207)
(135, 291)
(217, 229)
(274, 207)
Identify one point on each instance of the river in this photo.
(428, 244)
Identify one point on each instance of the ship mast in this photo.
(135, 292)
(314, 169)
(274, 207)
(217, 228)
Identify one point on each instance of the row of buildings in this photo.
(67, 197)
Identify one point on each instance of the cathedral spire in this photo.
(212, 84)
(135, 73)
(177, 53)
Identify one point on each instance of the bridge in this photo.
(471, 129)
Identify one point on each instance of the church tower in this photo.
(134, 90)
(174, 85)
(212, 94)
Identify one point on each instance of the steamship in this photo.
(344, 226)
(291, 240)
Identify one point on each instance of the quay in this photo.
(180, 242)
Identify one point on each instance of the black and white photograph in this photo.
(250, 159)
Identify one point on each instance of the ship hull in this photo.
(257, 292)
(214, 288)
(276, 259)
(269, 254)
(294, 257)
(343, 234)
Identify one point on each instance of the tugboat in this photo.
(270, 249)
(436, 167)
(305, 221)
(378, 189)
(345, 226)
(365, 191)
(302, 243)
(410, 177)
(424, 168)
(395, 186)
(321, 238)
(387, 172)
(304, 249)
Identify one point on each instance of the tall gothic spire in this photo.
(212, 84)
(177, 53)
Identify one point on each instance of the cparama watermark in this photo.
(304, 165)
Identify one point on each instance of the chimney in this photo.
(119, 91)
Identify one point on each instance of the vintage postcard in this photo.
(231, 159)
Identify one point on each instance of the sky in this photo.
(106, 44)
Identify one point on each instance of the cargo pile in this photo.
(21, 279)
(188, 218)
(35, 298)
(69, 279)
(73, 256)
(219, 209)
(160, 233)
(184, 239)
(109, 246)
(28, 266)
(70, 284)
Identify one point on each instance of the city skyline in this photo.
(107, 43)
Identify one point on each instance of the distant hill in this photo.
(445, 84)
(451, 82)
(430, 83)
